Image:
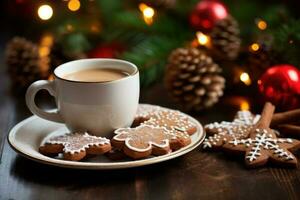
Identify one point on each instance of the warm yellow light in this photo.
(142, 6)
(70, 28)
(45, 12)
(262, 25)
(254, 47)
(74, 5)
(148, 13)
(245, 78)
(244, 105)
(95, 28)
(47, 40)
(202, 38)
(44, 51)
(45, 44)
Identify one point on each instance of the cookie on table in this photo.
(239, 128)
(75, 146)
(246, 117)
(146, 140)
(241, 118)
(263, 146)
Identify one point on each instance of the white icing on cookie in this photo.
(146, 110)
(238, 128)
(162, 117)
(172, 120)
(77, 142)
(144, 137)
(265, 141)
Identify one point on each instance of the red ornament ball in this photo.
(106, 51)
(280, 84)
(206, 13)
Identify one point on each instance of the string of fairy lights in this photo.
(205, 41)
(148, 13)
(45, 12)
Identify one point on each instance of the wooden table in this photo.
(197, 175)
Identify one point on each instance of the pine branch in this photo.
(287, 42)
(151, 56)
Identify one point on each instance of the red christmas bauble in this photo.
(106, 51)
(206, 13)
(280, 84)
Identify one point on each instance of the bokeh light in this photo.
(45, 12)
(245, 78)
(254, 47)
(74, 5)
(244, 105)
(262, 25)
(148, 13)
(202, 38)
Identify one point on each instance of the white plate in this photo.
(26, 137)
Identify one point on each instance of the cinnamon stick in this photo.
(289, 130)
(266, 116)
(287, 117)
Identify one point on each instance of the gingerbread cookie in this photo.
(172, 120)
(162, 117)
(246, 117)
(237, 129)
(263, 145)
(75, 146)
(145, 112)
(144, 140)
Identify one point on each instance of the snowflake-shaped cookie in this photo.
(75, 146)
(145, 140)
(263, 146)
(239, 128)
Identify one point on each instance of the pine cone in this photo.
(225, 39)
(24, 63)
(58, 56)
(193, 79)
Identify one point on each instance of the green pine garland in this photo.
(287, 43)
(149, 46)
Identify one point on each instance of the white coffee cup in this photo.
(95, 107)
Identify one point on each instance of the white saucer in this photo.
(26, 137)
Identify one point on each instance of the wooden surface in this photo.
(197, 175)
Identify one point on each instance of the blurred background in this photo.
(197, 53)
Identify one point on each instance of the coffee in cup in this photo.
(96, 75)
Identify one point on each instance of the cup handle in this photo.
(30, 96)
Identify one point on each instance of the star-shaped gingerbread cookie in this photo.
(263, 146)
(221, 132)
